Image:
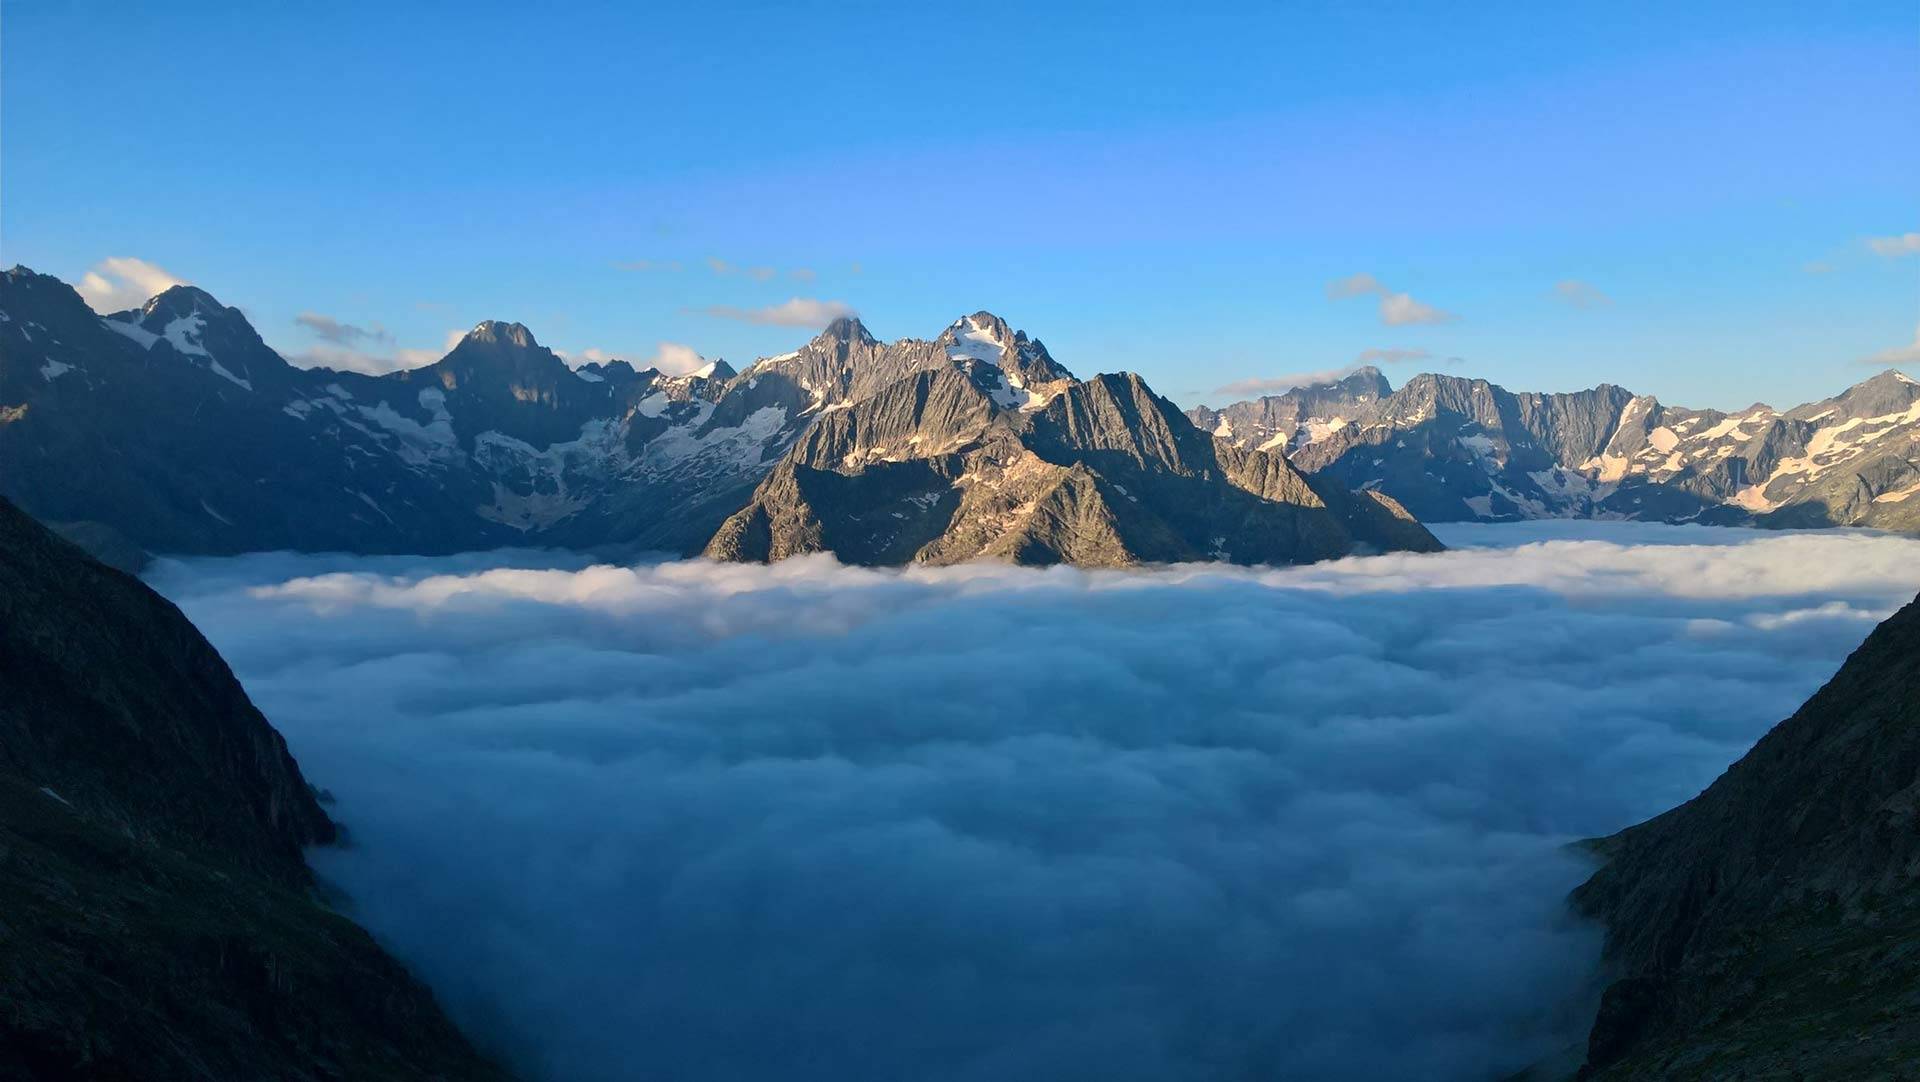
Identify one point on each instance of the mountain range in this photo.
(1453, 449)
(174, 428)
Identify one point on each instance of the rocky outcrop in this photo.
(945, 466)
(1770, 927)
(157, 920)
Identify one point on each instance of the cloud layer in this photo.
(702, 821)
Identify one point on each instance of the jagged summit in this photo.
(1453, 448)
(845, 329)
(500, 332)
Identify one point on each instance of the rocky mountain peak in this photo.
(1889, 392)
(184, 302)
(498, 332)
(844, 329)
(1366, 380)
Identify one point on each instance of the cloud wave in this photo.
(702, 821)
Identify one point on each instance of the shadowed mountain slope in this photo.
(1769, 928)
(156, 918)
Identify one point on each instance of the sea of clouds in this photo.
(696, 821)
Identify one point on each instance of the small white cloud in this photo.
(1899, 355)
(802, 274)
(794, 312)
(1580, 294)
(1895, 246)
(762, 274)
(1401, 310)
(676, 359)
(671, 266)
(1396, 309)
(719, 266)
(123, 282)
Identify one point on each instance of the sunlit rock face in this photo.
(1453, 449)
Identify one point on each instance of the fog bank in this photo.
(702, 821)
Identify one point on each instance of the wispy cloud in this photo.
(1898, 355)
(344, 334)
(345, 358)
(1580, 294)
(1354, 285)
(1396, 309)
(671, 266)
(1273, 385)
(1393, 356)
(121, 282)
(1895, 246)
(794, 312)
(759, 272)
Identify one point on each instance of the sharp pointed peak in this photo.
(183, 299)
(847, 328)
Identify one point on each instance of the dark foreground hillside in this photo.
(1770, 927)
(156, 918)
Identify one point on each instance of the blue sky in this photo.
(1682, 202)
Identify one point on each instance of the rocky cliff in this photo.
(156, 918)
(1770, 927)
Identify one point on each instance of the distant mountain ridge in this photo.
(1455, 449)
(174, 428)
